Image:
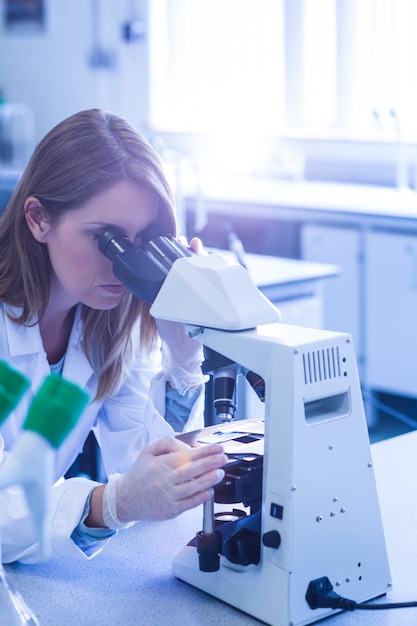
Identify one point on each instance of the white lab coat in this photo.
(123, 424)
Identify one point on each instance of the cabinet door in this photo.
(391, 312)
(341, 295)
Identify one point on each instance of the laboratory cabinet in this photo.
(374, 299)
(391, 312)
(342, 297)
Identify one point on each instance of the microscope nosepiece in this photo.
(224, 394)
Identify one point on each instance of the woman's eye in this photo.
(95, 235)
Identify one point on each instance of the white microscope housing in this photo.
(319, 514)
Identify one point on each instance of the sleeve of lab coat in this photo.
(125, 423)
(66, 506)
(136, 415)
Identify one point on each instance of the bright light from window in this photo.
(217, 66)
(228, 66)
(319, 62)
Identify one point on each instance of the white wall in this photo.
(50, 70)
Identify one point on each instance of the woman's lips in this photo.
(115, 290)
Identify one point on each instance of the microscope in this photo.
(299, 479)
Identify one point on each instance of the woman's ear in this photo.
(36, 218)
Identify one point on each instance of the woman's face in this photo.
(81, 272)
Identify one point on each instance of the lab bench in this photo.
(131, 581)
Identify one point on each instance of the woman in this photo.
(63, 310)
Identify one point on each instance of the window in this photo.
(259, 66)
(217, 65)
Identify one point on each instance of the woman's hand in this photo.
(196, 245)
(167, 479)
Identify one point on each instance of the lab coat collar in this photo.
(77, 367)
(26, 340)
(22, 339)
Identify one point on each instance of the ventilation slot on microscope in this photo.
(321, 365)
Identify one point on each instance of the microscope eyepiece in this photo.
(113, 242)
(141, 269)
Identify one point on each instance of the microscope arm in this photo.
(207, 291)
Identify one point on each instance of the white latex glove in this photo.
(181, 356)
(167, 478)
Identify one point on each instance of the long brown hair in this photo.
(82, 156)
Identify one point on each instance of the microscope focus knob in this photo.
(271, 539)
(208, 548)
(243, 547)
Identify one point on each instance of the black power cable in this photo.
(320, 594)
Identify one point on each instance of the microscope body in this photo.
(318, 512)
(309, 504)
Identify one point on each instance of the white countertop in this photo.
(349, 199)
(131, 582)
(269, 271)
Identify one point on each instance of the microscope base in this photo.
(262, 591)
